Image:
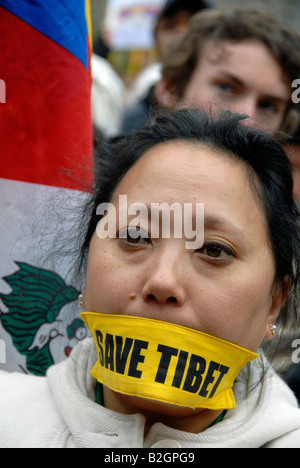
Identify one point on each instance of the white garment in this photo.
(60, 411)
(108, 97)
(149, 77)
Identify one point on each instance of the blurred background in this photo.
(128, 60)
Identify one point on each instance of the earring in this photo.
(273, 329)
(80, 298)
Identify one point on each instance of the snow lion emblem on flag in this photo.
(34, 319)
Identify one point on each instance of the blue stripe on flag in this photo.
(63, 21)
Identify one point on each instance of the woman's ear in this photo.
(279, 296)
(166, 95)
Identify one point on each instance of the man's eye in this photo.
(134, 236)
(226, 88)
(267, 106)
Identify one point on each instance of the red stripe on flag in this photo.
(45, 124)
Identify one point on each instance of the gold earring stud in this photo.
(273, 329)
(80, 298)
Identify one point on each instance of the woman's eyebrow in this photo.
(211, 221)
(217, 222)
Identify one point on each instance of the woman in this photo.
(186, 300)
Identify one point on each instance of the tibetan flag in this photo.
(46, 169)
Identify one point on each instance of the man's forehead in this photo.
(222, 49)
(248, 62)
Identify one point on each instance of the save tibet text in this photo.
(126, 355)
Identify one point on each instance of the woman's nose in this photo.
(164, 283)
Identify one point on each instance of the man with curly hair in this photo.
(238, 59)
(244, 60)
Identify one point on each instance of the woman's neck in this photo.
(182, 419)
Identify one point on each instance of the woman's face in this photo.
(224, 288)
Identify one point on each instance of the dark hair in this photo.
(269, 170)
(235, 24)
(193, 6)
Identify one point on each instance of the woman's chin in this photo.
(152, 408)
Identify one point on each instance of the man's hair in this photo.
(193, 6)
(235, 24)
(172, 7)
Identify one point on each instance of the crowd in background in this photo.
(120, 107)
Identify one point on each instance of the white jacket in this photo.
(59, 411)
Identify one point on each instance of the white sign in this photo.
(130, 23)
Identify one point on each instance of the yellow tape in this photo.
(165, 362)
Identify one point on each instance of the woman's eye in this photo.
(134, 236)
(214, 251)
